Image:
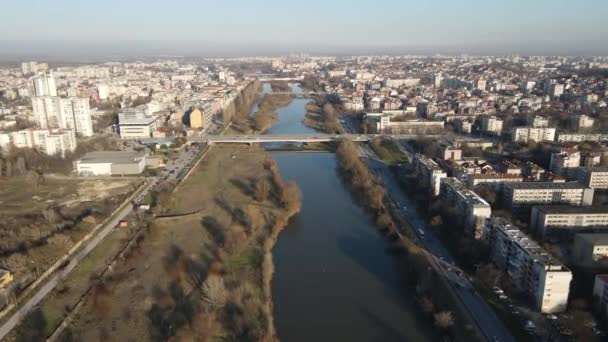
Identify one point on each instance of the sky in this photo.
(248, 27)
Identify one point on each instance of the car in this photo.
(421, 232)
(552, 317)
(497, 290)
(530, 326)
(503, 297)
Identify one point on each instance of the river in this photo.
(336, 278)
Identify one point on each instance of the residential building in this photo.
(593, 176)
(600, 293)
(561, 163)
(47, 111)
(529, 266)
(76, 115)
(582, 121)
(582, 137)
(537, 121)
(108, 163)
(430, 172)
(566, 219)
(520, 197)
(44, 85)
(590, 249)
(491, 125)
(525, 134)
(382, 123)
(51, 142)
(466, 202)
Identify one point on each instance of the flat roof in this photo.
(569, 209)
(547, 185)
(114, 157)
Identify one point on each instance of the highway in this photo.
(175, 170)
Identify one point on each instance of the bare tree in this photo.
(214, 292)
(262, 189)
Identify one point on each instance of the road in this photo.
(476, 308)
(175, 170)
(479, 311)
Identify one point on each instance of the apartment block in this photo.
(562, 162)
(595, 177)
(556, 219)
(491, 125)
(600, 293)
(430, 172)
(51, 142)
(589, 249)
(525, 134)
(581, 137)
(520, 197)
(473, 208)
(529, 266)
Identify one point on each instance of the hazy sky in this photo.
(255, 26)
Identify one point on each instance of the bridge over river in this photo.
(297, 138)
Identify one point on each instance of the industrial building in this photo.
(111, 163)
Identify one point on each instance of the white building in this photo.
(525, 134)
(529, 266)
(548, 220)
(491, 125)
(521, 196)
(47, 111)
(134, 124)
(593, 176)
(108, 163)
(474, 209)
(104, 91)
(51, 142)
(581, 137)
(430, 172)
(76, 115)
(67, 113)
(44, 85)
(583, 121)
(564, 161)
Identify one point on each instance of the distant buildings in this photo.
(529, 266)
(581, 137)
(384, 123)
(44, 85)
(108, 163)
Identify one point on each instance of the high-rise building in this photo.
(44, 85)
(71, 113)
(76, 115)
(47, 111)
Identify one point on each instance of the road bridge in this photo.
(297, 138)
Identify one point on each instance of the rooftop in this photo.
(569, 209)
(114, 157)
(546, 185)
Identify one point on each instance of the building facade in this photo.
(471, 206)
(520, 197)
(529, 266)
(561, 219)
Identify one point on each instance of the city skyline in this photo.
(237, 28)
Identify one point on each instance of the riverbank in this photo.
(322, 116)
(432, 293)
(204, 276)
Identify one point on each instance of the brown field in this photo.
(198, 278)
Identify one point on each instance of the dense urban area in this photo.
(142, 200)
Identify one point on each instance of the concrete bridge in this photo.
(297, 138)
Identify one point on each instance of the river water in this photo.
(336, 278)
